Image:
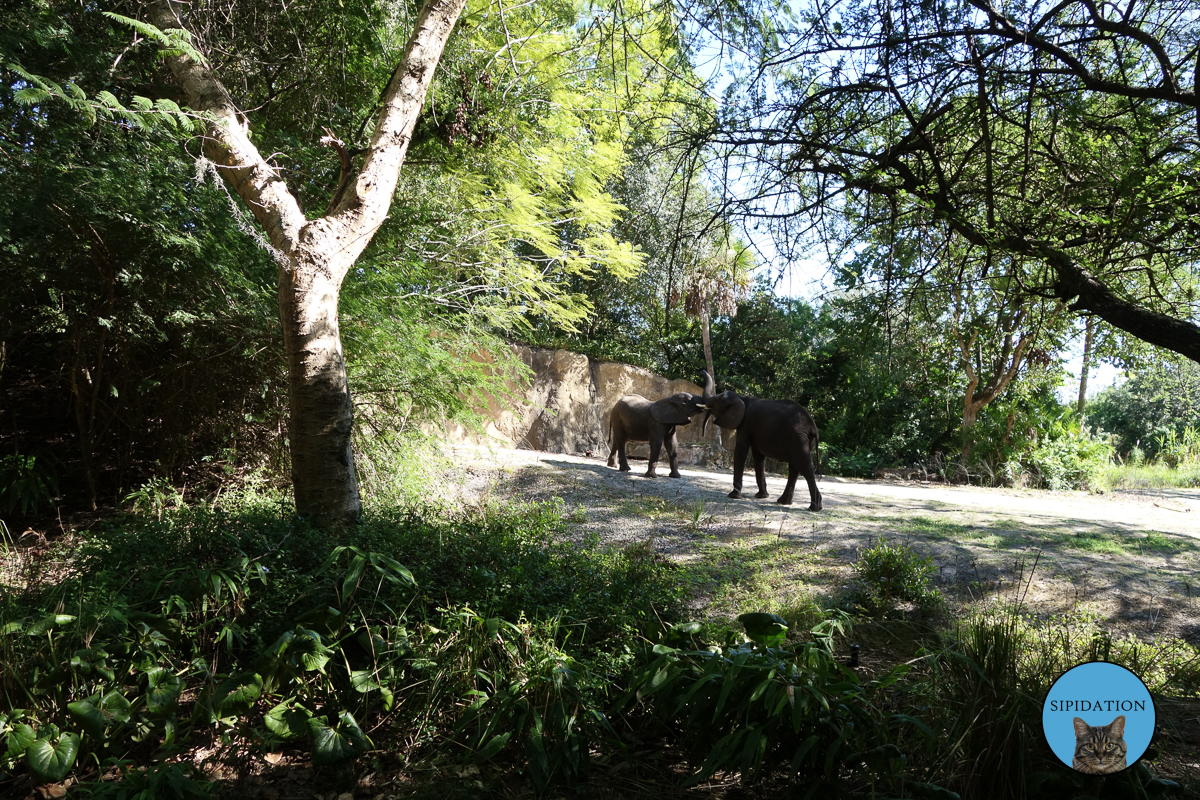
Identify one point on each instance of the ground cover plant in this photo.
(177, 648)
(247, 629)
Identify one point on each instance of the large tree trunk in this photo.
(315, 255)
(321, 411)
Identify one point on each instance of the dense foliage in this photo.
(210, 625)
(1155, 410)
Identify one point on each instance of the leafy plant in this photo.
(1071, 461)
(889, 574)
(760, 707)
(26, 483)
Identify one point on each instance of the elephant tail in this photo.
(816, 446)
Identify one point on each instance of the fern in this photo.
(173, 41)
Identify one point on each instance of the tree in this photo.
(315, 255)
(140, 324)
(1156, 405)
(1061, 137)
(520, 138)
(715, 282)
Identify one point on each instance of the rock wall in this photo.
(565, 408)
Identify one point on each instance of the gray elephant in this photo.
(636, 419)
(779, 429)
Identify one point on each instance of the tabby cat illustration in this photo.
(1100, 750)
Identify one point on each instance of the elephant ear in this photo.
(728, 409)
(668, 412)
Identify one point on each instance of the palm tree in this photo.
(716, 279)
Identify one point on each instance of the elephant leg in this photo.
(760, 473)
(739, 464)
(785, 499)
(671, 446)
(619, 447)
(612, 452)
(655, 448)
(810, 475)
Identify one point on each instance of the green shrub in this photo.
(761, 707)
(1069, 462)
(984, 685)
(889, 574)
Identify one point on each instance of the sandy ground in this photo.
(1133, 559)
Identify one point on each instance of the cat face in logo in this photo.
(1100, 750)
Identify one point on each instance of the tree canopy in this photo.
(1056, 143)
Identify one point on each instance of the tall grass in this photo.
(1141, 477)
(984, 685)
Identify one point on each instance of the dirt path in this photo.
(1131, 559)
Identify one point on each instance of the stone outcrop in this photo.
(565, 408)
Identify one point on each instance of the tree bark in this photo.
(1089, 331)
(315, 255)
(976, 397)
(708, 358)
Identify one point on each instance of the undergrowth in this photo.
(485, 638)
(247, 629)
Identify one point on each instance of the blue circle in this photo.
(1097, 693)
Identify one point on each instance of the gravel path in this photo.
(1132, 558)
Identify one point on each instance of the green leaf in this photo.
(333, 745)
(392, 570)
(164, 688)
(288, 720)
(493, 746)
(19, 739)
(47, 623)
(766, 629)
(353, 576)
(363, 681)
(30, 96)
(324, 620)
(238, 694)
(96, 713)
(51, 760)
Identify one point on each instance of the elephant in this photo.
(779, 429)
(634, 418)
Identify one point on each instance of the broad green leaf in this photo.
(324, 620)
(19, 739)
(237, 695)
(333, 745)
(96, 713)
(767, 629)
(163, 690)
(363, 681)
(48, 622)
(52, 759)
(289, 719)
